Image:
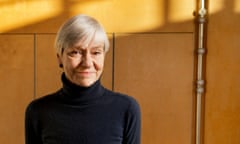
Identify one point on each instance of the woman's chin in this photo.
(84, 83)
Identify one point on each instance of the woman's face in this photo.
(83, 63)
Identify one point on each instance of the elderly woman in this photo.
(82, 111)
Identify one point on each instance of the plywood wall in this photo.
(222, 110)
(157, 69)
(16, 84)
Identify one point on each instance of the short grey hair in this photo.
(75, 29)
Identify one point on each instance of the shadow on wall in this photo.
(159, 16)
(46, 17)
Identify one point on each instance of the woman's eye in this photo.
(96, 53)
(74, 53)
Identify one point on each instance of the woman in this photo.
(82, 111)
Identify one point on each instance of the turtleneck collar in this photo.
(75, 94)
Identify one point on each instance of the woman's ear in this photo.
(59, 61)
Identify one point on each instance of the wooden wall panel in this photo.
(157, 69)
(48, 73)
(222, 102)
(107, 77)
(16, 85)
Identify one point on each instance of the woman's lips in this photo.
(85, 73)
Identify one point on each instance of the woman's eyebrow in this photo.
(78, 47)
(98, 48)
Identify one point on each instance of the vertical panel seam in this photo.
(113, 60)
(34, 66)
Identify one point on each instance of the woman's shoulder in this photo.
(43, 101)
(123, 99)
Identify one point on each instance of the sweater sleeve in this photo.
(132, 133)
(32, 135)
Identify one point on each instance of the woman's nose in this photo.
(86, 60)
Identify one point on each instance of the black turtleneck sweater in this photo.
(80, 115)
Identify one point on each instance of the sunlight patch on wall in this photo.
(215, 7)
(237, 6)
(21, 13)
(117, 16)
(180, 10)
